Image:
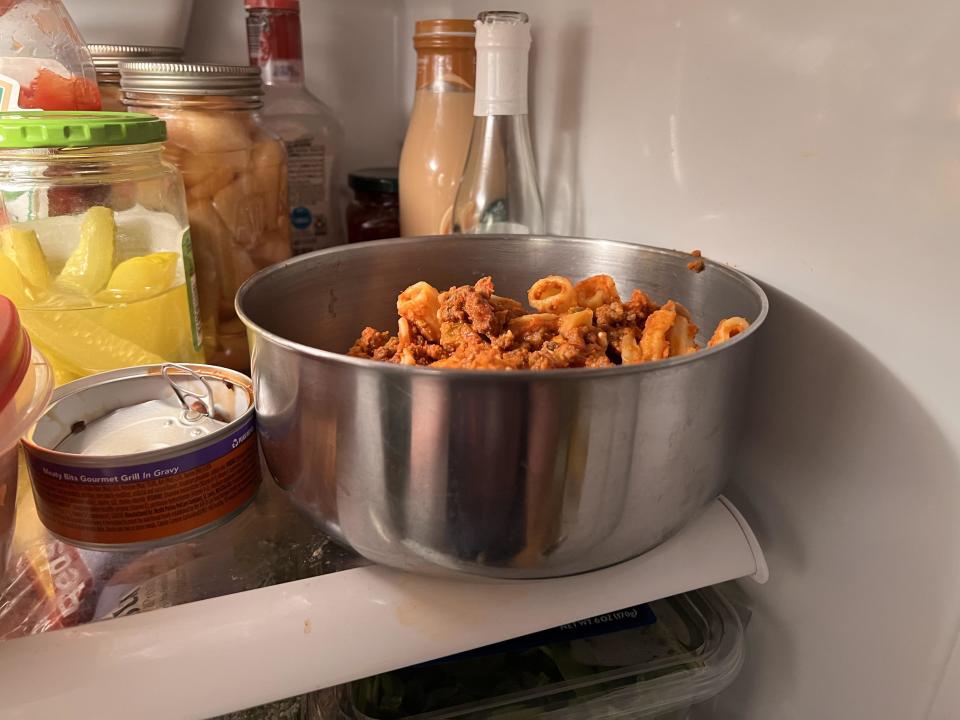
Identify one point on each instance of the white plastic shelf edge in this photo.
(227, 653)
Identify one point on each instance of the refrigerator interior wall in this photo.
(813, 145)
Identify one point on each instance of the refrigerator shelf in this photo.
(236, 651)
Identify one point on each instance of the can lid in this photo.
(293, 5)
(190, 79)
(107, 58)
(78, 129)
(377, 180)
(15, 351)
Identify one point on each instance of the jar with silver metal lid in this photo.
(236, 180)
(107, 59)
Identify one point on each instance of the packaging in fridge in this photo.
(650, 661)
(107, 58)
(26, 382)
(44, 63)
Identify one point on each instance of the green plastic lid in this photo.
(78, 129)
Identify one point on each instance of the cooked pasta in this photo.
(582, 325)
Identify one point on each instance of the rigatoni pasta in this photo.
(581, 325)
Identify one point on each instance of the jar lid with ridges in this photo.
(374, 180)
(190, 79)
(107, 58)
(63, 129)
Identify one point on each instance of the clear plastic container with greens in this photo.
(651, 661)
(94, 243)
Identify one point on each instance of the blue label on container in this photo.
(626, 619)
(147, 471)
(300, 218)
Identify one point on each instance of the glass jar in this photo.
(374, 213)
(107, 59)
(235, 173)
(96, 251)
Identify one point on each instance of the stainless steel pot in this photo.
(498, 474)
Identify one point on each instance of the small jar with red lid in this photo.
(374, 213)
(26, 382)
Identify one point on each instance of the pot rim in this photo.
(519, 375)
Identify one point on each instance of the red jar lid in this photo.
(14, 351)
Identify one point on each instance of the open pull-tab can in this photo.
(191, 412)
(144, 456)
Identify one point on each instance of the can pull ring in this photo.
(184, 393)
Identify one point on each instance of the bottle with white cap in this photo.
(498, 192)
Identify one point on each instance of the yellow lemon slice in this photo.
(24, 249)
(90, 264)
(141, 277)
(11, 282)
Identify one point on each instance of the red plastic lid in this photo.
(14, 351)
(272, 5)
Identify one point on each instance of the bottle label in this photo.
(273, 44)
(309, 191)
(9, 94)
(190, 280)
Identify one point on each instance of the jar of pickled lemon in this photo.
(235, 173)
(95, 248)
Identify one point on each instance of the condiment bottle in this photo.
(235, 172)
(94, 245)
(374, 213)
(499, 192)
(44, 63)
(107, 59)
(309, 129)
(435, 147)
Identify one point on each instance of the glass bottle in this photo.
(435, 146)
(308, 128)
(498, 192)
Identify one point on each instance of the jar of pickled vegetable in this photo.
(107, 59)
(94, 244)
(236, 180)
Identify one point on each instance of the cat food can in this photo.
(146, 456)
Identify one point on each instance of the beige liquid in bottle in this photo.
(435, 148)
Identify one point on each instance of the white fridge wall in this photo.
(815, 146)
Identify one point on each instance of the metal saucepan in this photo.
(499, 474)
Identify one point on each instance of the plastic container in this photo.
(26, 383)
(374, 213)
(107, 59)
(235, 173)
(44, 63)
(96, 251)
(650, 661)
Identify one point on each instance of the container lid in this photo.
(190, 78)
(375, 180)
(107, 58)
(14, 351)
(61, 129)
(293, 5)
(443, 33)
(639, 662)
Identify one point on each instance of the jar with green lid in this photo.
(107, 59)
(95, 247)
(235, 173)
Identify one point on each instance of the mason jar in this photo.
(236, 181)
(107, 59)
(96, 250)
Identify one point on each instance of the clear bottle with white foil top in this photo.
(499, 192)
